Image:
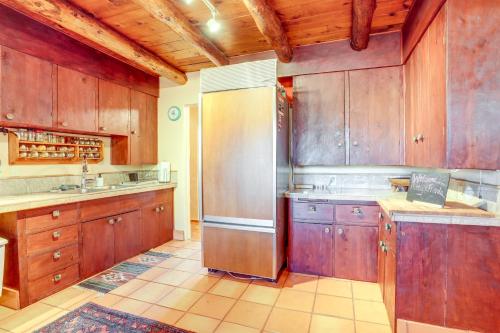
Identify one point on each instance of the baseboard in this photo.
(179, 235)
(10, 298)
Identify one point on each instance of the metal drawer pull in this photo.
(56, 255)
(56, 235)
(312, 209)
(327, 230)
(57, 278)
(380, 216)
(10, 116)
(157, 209)
(56, 214)
(388, 226)
(340, 231)
(162, 208)
(357, 211)
(118, 220)
(111, 221)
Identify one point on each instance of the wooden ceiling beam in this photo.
(270, 26)
(74, 22)
(167, 12)
(362, 15)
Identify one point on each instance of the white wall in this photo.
(173, 142)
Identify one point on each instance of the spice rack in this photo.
(29, 147)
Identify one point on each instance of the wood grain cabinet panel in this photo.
(313, 211)
(52, 283)
(98, 246)
(356, 252)
(473, 278)
(76, 101)
(25, 89)
(114, 108)
(375, 116)
(158, 222)
(127, 235)
(318, 119)
(52, 261)
(311, 248)
(166, 222)
(143, 129)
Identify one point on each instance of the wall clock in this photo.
(174, 113)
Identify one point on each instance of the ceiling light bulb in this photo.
(213, 25)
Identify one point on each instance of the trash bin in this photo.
(3, 242)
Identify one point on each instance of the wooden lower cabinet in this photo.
(51, 248)
(157, 224)
(98, 246)
(310, 248)
(356, 252)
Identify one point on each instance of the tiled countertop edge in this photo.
(31, 201)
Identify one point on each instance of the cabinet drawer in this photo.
(357, 214)
(52, 283)
(50, 217)
(157, 197)
(313, 211)
(52, 261)
(95, 209)
(52, 239)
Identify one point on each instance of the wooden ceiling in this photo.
(304, 21)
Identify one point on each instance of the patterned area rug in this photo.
(95, 318)
(124, 272)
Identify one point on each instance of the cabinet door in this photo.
(318, 119)
(143, 129)
(128, 238)
(114, 108)
(150, 226)
(166, 222)
(356, 252)
(76, 100)
(375, 116)
(98, 246)
(390, 285)
(25, 89)
(311, 248)
(381, 257)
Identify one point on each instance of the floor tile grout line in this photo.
(314, 304)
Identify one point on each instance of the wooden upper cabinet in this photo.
(143, 129)
(26, 86)
(114, 108)
(76, 100)
(375, 116)
(318, 115)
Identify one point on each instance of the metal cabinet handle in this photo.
(57, 278)
(119, 219)
(355, 143)
(56, 235)
(414, 139)
(388, 226)
(312, 208)
(420, 137)
(162, 208)
(102, 128)
(357, 211)
(340, 231)
(133, 132)
(340, 144)
(64, 124)
(56, 255)
(111, 221)
(56, 213)
(383, 246)
(380, 216)
(10, 116)
(327, 230)
(157, 209)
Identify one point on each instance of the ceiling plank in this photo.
(72, 21)
(270, 26)
(362, 15)
(166, 12)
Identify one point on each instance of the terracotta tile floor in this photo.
(180, 292)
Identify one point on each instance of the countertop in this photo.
(29, 201)
(400, 210)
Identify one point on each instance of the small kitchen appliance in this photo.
(164, 172)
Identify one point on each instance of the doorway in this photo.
(193, 171)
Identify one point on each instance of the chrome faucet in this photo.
(85, 170)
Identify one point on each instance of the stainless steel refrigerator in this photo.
(244, 168)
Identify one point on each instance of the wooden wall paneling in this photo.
(25, 89)
(374, 116)
(76, 100)
(28, 36)
(114, 108)
(418, 19)
(318, 119)
(421, 273)
(473, 278)
(473, 84)
(231, 140)
(384, 50)
(311, 248)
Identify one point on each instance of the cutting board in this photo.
(451, 208)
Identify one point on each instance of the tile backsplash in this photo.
(28, 185)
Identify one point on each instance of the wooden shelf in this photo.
(15, 158)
